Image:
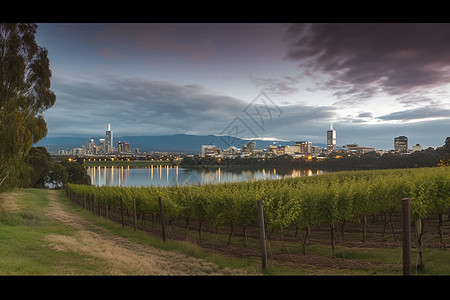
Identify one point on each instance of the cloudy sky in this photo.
(273, 81)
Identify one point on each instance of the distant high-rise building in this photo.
(210, 151)
(250, 147)
(290, 150)
(417, 147)
(273, 148)
(109, 138)
(91, 146)
(304, 147)
(401, 144)
(123, 147)
(331, 139)
(102, 146)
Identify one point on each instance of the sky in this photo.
(268, 81)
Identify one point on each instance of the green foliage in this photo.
(42, 171)
(331, 198)
(40, 166)
(76, 173)
(24, 95)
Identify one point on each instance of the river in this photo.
(172, 176)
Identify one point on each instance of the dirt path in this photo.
(123, 256)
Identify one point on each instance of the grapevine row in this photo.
(331, 198)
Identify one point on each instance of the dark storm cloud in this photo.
(365, 59)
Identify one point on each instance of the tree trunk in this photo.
(392, 223)
(419, 226)
(231, 233)
(121, 212)
(308, 231)
(333, 239)
(134, 214)
(171, 224)
(364, 223)
(186, 226)
(244, 236)
(91, 204)
(106, 208)
(440, 229)
(200, 230)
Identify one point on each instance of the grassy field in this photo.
(23, 231)
(42, 233)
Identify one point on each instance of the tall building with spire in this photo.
(109, 139)
(331, 139)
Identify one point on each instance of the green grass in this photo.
(22, 238)
(25, 250)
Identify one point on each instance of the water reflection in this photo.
(170, 176)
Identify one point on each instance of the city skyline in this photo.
(373, 81)
(400, 145)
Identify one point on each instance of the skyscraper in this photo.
(109, 139)
(304, 147)
(91, 147)
(401, 144)
(101, 147)
(331, 139)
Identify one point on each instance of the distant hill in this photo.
(190, 144)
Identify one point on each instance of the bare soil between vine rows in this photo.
(383, 231)
(380, 234)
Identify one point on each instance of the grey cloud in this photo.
(365, 115)
(418, 113)
(423, 98)
(368, 58)
(138, 106)
(284, 86)
(300, 122)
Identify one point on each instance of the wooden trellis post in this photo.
(406, 221)
(262, 235)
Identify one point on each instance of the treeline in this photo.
(373, 160)
(41, 170)
(335, 161)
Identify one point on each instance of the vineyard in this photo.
(334, 202)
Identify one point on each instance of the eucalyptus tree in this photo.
(24, 95)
